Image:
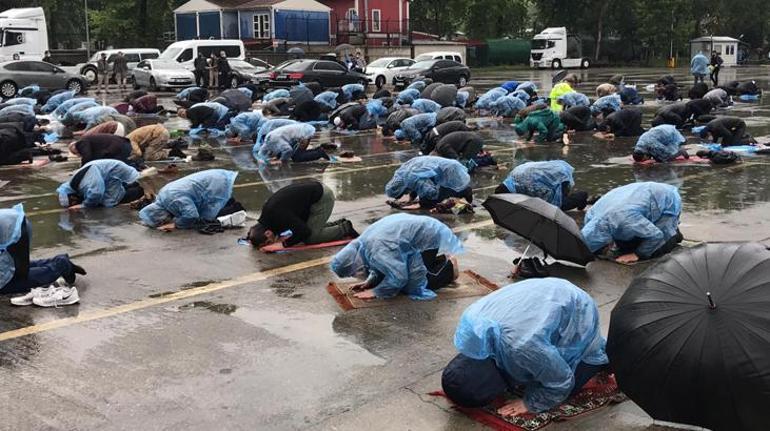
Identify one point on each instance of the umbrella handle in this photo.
(712, 305)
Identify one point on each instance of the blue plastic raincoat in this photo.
(248, 93)
(199, 196)
(350, 89)
(574, 99)
(276, 94)
(507, 106)
(699, 65)
(426, 105)
(70, 118)
(660, 142)
(11, 220)
(607, 104)
(60, 111)
(417, 85)
(528, 87)
(392, 247)
(425, 175)
(246, 124)
(102, 186)
(408, 96)
(510, 86)
(89, 116)
(537, 331)
(184, 94)
(21, 101)
(462, 99)
(647, 211)
(282, 142)
(24, 109)
(56, 100)
(376, 109)
(265, 129)
(327, 99)
(541, 180)
(416, 126)
(486, 99)
(219, 108)
(29, 90)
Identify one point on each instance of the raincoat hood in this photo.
(426, 105)
(276, 94)
(660, 142)
(541, 180)
(424, 175)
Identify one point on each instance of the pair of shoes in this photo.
(57, 294)
(531, 267)
(176, 152)
(348, 230)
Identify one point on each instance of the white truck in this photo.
(556, 49)
(23, 32)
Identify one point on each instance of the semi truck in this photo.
(23, 32)
(555, 48)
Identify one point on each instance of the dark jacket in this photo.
(460, 145)
(626, 122)
(200, 64)
(434, 136)
(352, 115)
(578, 118)
(120, 65)
(224, 66)
(730, 130)
(103, 146)
(289, 209)
(14, 148)
(202, 116)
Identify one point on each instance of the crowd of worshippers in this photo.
(540, 335)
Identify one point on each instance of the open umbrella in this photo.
(690, 338)
(296, 51)
(344, 47)
(558, 77)
(543, 224)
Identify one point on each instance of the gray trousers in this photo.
(321, 230)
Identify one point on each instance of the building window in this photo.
(376, 20)
(262, 26)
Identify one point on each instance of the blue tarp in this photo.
(208, 25)
(301, 26)
(185, 26)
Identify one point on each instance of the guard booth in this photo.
(732, 50)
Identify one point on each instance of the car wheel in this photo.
(379, 82)
(135, 84)
(75, 86)
(556, 64)
(153, 85)
(8, 89)
(585, 64)
(463, 81)
(90, 74)
(364, 82)
(234, 82)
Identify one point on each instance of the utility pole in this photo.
(88, 34)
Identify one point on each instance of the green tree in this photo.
(487, 19)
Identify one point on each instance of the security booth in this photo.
(729, 48)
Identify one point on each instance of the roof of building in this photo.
(215, 5)
(715, 39)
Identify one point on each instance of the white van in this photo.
(440, 55)
(184, 52)
(133, 57)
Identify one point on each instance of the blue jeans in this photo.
(41, 273)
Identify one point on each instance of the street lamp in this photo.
(88, 35)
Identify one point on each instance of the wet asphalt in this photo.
(185, 331)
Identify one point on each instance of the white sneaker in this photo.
(31, 295)
(58, 297)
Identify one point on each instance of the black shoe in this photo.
(540, 267)
(176, 152)
(348, 230)
(77, 269)
(593, 199)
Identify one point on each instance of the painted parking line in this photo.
(184, 294)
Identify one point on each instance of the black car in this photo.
(244, 72)
(325, 72)
(444, 71)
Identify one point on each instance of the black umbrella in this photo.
(543, 224)
(296, 51)
(344, 47)
(690, 338)
(558, 77)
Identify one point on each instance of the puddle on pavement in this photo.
(310, 330)
(227, 309)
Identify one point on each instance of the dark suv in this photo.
(444, 71)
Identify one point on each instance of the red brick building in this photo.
(371, 22)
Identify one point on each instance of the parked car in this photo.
(440, 55)
(133, 56)
(19, 74)
(244, 72)
(327, 73)
(445, 71)
(383, 70)
(160, 74)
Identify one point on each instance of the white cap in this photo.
(337, 121)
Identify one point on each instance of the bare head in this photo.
(182, 113)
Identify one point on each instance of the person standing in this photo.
(699, 66)
(716, 64)
(102, 74)
(359, 62)
(120, 67)
(47, 57)
(213, 71)
(224, 70)
(201, 77)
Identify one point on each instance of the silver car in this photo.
(21, 73)
(160, 74)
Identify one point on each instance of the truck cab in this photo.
(23, 33)
(554, 48)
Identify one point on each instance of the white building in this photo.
(727, 47)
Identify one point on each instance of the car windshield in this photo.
(295, 67)
(426, 64)
(170, 53)
(542, 44)
(382, 62)
(242, 65)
